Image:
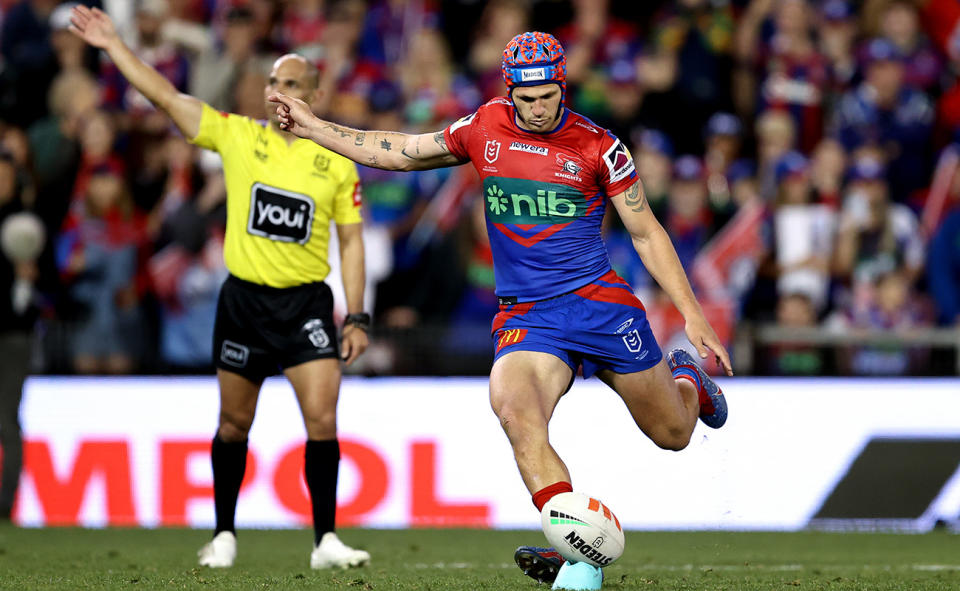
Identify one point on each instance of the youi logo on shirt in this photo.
(280, 215)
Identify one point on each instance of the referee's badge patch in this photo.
(234, 354)
(316, 333)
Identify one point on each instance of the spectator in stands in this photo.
(215, 74)
(923, 65)
(803, 234)
(943, 270)
(97, 254)
(722, 138)
(98, 137)
(795, 310)
(501, 20)
(187, 269)
(885, 112)
(837, 39)
(788, 72)
(828, 168)
(776, 135)
(689, 221)
(875, 237)
(654, 157)
(22, 238)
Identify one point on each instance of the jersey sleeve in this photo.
(216, 128)
(617, 171)
(457, 136)
(346, 203)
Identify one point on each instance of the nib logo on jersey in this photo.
(280, 215)
(517, 201)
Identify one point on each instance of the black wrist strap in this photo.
(360, 320)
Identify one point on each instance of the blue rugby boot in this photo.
(578, 576)
(540, 564)
(713, 405)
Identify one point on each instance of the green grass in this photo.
(426, 560)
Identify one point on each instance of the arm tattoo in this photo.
(635, 199)
(361, 137)
(337, 130)
(385, 145)
(438, 137)
(403, 150)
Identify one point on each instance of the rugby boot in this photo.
(713, 405)
(540, 564)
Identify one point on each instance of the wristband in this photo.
(361, 321)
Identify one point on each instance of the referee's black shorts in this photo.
(262, 330)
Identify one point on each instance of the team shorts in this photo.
(262, 330)
(601, 325)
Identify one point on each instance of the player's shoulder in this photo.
(497, 108)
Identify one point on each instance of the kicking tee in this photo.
(544, 196)
(280, 200)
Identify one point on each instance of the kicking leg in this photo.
(317, 384)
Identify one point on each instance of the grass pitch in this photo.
(428, 560)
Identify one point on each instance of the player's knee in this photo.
(673, 438)
(321, 425)
(234, 426)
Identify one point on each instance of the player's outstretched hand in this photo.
(703, 337)
(294, 114)
(93, 26)
(354, 343)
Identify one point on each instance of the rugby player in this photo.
(547, 175)
(274, 312)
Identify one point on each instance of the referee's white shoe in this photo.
(220, 552)
(332, 553)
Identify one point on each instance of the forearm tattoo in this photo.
(416, 156)
(634, 199)
(361, 137)
(338, 130)
(385, 145)
(438, 137)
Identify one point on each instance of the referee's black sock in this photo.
(321, 464)
(229, 461)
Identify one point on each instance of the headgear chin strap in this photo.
(532, 59)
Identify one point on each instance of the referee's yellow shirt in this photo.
(280, 199)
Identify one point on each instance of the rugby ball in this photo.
(582, 529)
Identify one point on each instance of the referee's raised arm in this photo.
(95, 27)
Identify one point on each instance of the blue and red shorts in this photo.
(601, 325)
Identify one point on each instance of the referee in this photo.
(275, 312)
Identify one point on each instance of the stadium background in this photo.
(800, 154)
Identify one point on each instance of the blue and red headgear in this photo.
(532, 59)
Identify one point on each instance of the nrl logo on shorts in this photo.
(491, 151)
(316, 333)
(633, 341)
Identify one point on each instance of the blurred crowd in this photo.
(799, 153)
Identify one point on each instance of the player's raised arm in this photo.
(660, 258)
(389, 150)
(95, 27)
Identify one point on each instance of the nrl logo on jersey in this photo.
(530, 149)
(491, 151)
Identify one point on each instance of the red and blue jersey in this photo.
(544, 195)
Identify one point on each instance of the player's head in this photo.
(294, 76)
(533, 65)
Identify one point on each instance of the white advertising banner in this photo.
(430, 452)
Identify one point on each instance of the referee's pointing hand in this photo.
(294, 114)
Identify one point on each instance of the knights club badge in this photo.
(491, 151)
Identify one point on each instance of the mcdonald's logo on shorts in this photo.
(510, 336)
